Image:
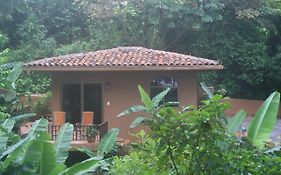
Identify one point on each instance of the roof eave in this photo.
(140, 68)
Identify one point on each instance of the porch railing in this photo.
(80, 132)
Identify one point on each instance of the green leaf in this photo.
(107, 142)
(23, 116)
(58, 169)
(15, 146)
(40, 154)
(262, 124)
(8, 124)
(137, 121)
(3, 141)
(48, 160)
(235, 122)
(15, 73)
(62, 142)
(276, 151)
(104, 165)
(145, 99)
(89, 165)
(156, 100)
(207, 90)
(5, 129)
(39, 126)
(86, 151)
(19, 152)
(136, 108)
(169, 104)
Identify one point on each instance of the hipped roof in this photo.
(123, 59)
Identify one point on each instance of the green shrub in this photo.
(141, 160)
(193, 141)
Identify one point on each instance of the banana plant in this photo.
(10, 84)
(207, 90)
(36, 154)
(235, 122)
(261, 126)
(149, 105)
(104, 147)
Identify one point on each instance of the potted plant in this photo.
(91, 133)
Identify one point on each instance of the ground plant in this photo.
(192, 141)
(36, 154)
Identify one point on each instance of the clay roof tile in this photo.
(124, 57)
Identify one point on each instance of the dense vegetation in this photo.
(36, 154)
(189, 141)
(196, 141)
(243, 34)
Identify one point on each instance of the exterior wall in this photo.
(122, 91)
(251, 106)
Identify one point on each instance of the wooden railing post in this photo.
(79, 132)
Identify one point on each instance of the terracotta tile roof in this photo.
(134, 58)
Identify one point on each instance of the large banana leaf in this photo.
(15, 146)
(108, 141)
(137, 121)
(16, 155)
(148, 103)
(48, 159)
(3, 139)
(15, 73)
(86, 166)
(23, 116)
(62, 142)
(87, 151)
(59, 168)
(136, 108)
(263, 123)
(41, 154)
(8, 124)
(158, 98)
(17, 152)
(207, 90)
(32, 154)
(38, 126)
(6, 127)
(235, 122)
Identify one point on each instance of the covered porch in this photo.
(80, 136)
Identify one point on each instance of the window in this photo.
(79, 97)
(161, 83)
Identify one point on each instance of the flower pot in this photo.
(91, 139)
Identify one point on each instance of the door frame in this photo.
(102, 84)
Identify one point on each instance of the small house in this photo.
(105, 81)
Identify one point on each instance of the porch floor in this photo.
(83, 143)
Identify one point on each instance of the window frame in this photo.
(163, 87)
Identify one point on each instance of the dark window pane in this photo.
(159, 84)
(172, 95)
(72, 102)
(155, 91)
(93, 100)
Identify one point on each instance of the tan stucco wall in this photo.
(122, 92)
(250, 106)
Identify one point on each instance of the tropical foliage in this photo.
(196, 141)
(36, 154)
(262, 124)
(243, 35)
